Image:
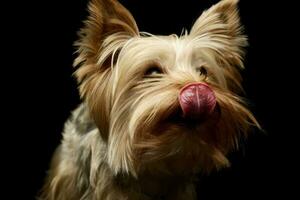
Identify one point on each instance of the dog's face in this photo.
(164, 99)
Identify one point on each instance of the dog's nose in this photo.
(197, 100)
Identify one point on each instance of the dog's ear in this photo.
(220, 25)
(106, 18)
(108, 27)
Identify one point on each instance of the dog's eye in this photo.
(202, 71)
(153, 70)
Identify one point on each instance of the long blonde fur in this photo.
(122, 142)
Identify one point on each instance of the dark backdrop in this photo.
(44, 92)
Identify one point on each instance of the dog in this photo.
(156, 110)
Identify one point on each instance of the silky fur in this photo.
(123, 141)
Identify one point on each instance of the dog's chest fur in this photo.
(83, 153)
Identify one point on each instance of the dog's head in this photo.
(164, 98)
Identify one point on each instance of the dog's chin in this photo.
(192, 122)
(183, 143)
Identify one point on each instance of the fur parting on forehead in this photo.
(143, 47)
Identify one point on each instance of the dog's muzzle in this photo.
(197, 100)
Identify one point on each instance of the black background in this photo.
(43, 91)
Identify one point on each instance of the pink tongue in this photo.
(197, 100)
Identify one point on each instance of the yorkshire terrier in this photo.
(156, 111)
